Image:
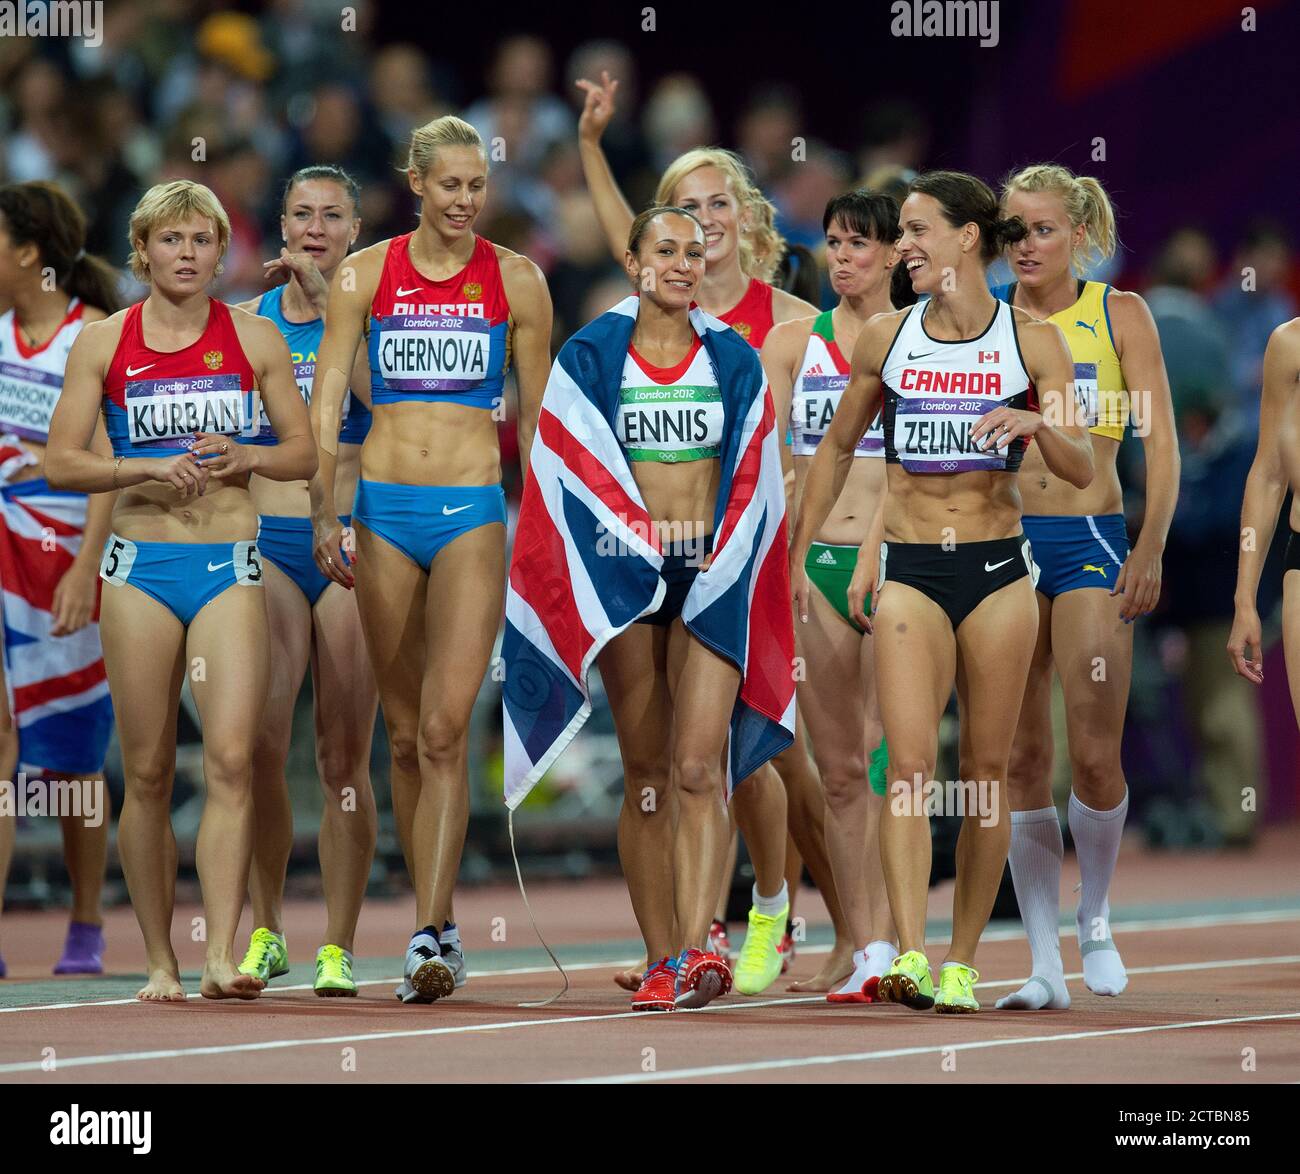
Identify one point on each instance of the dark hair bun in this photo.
(1009, 230)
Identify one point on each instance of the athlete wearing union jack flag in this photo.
(652, 540)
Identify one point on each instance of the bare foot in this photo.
(630, 980)
(164, 986)
(837, 967)
(225, 982)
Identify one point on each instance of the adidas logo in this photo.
(826, 559)
(423, 952)
(815, 369)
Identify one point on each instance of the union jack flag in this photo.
(57, 686)
(567, 598)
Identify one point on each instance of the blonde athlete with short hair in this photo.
(178, 378)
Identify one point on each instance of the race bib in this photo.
(670, 424)
(1085, 392)
(119, 557)
(248, 563)
(437, 353)
(27, 399)
(1027, 553)
(814, 408)
(933, 435)
(303, 374)
(167, 412)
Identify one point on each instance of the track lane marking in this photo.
(469, 1028)
(895, 1053)
(1190, 921)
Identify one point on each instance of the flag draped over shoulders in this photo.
(586, 557)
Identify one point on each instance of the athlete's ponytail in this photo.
(1007, 230)
(798, 274)
(1086, 204)
(967, 199)
(42, 214)
(94, 281)
(901, 292)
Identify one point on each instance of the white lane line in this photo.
(895, 1053)
(1189, 921)
(463, 1029)
(307, 986)
(460, 1029)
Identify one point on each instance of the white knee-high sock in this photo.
(1036, 853)
(1096, 842)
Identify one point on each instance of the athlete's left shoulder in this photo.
(255, 332)
(521, 276)
(1036, 333)
(1126, 313)
(785, 307)
(788, 336)
(1025, 321)
(1126, 302)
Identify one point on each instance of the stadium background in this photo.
(1196, 118)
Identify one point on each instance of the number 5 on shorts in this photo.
(119, 557)
(248, 564)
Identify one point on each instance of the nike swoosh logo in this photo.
(995, 566)
(219, 565)
(130, 371)
(923, 355)
(447, 511)
(401, 293)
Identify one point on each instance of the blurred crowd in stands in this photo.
(239, 101)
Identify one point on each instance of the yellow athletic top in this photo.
(1098, 379)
